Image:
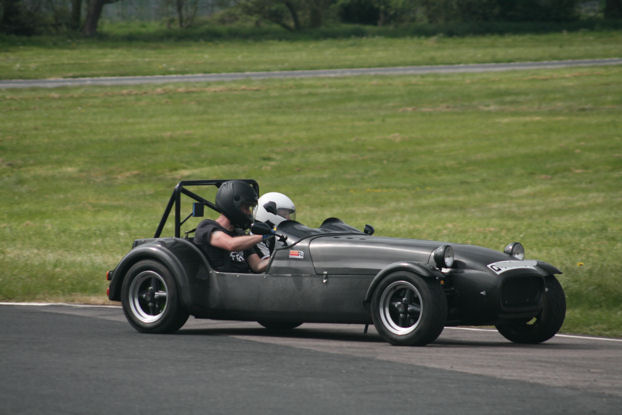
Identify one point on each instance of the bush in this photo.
(16, 19)
(537, 10)
(358, 11)
(439, 11)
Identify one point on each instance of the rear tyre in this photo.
(408, 310)
(150, 298)
(545, 325)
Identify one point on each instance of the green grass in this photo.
(54, 57)
(470, 158)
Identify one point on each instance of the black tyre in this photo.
(408, 310)
(545, 325)
(279, 325)
(150, 298)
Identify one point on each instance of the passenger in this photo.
(222, 240)
(285, 210)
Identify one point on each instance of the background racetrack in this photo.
(481, 158)
(68, 359)
(477, 158)
(318, 73)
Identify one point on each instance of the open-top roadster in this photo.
(409, 289)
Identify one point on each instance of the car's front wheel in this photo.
(408, 310)
(545, 325)
(150, 298)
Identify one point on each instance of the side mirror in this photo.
(369, 230)
(197, 210)
(261, 228)
(271, 207)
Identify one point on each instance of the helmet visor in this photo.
(247, 208)
(287, 213)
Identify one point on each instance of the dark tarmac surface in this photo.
(59, 359)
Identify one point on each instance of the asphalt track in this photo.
(221, 77)
(59, 359)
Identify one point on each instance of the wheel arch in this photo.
(549, 269)
(157, 252)
(412, 267)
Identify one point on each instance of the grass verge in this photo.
(62, 57)
(470, 158)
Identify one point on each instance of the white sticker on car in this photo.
(294, 254)
(503, 266)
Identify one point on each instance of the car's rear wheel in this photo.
(279, 325)
(543, 326)
(150, 298)
(408, 310)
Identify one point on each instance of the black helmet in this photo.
(230, 199)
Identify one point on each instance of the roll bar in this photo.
(199, 202)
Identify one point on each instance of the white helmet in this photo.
(285, 209)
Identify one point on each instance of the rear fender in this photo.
(423, 271)
(168, 252)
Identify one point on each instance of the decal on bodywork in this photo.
(295, 254)
(503, 266)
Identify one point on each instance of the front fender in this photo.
(548, 268)
(416, 268)
(180, 256)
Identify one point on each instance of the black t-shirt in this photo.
(221, 259)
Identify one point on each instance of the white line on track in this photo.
(61, 304)
(566, 336)
(571, 336)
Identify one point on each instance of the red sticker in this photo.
(297, 254)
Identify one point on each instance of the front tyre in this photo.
(546, 324)
(408, 310)
(150, 298)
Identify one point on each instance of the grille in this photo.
(518, 292)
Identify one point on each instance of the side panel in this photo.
(306, 298)
(290, 290)
(362, 254)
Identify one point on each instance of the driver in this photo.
(223, 241)
(285, 210)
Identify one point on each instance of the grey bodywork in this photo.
(329, 274)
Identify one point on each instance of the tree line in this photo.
(29, 17)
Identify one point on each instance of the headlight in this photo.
(444, 256)
(516, 250)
